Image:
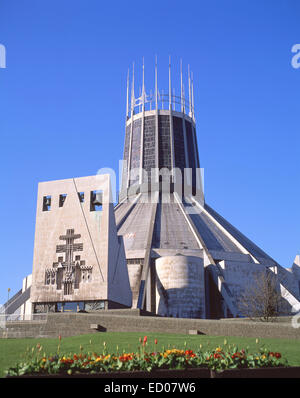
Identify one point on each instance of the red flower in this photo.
(155, 341)
(189, 353)
(126, 357)
(145, 340)
(277, 355)
(59, 337)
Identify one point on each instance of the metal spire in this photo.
(132, 91)
(170, 86)
(181, 87)
(127, 95)
(183, 92)
(174, 99)
(156, 91)
(143, 88)
(190, 95)
(193, 109)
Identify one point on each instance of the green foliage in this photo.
(13, 351)
(219, 358)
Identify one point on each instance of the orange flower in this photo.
(126, 357)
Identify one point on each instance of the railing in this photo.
(178, 103)
(12, 305)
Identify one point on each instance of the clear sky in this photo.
(63, 99)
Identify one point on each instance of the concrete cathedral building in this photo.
(162, 248)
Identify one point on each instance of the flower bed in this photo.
(216, 360)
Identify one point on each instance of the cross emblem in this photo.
(70, 272)
(70, 247)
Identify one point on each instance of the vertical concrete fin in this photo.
(147, 260)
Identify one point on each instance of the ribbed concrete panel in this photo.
(213, 237)
(135, 228)
(247, 243)
(123, 210)
(171, 230)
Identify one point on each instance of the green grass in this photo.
(13, 350)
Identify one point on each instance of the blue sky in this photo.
(63, 94)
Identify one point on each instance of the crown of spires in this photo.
(160, 97)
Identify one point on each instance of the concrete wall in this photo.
(238, 275)
(180, 286)
(110, 321)
(26, 308)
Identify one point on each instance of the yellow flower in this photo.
(263, 357)
(218, 349)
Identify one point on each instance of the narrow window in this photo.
(47, 203)
(81, 196)
(96, 200)
(62, 198)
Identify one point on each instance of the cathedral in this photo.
(162, 248)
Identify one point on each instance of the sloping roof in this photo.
(172, 231)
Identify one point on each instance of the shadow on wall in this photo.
(178, 302)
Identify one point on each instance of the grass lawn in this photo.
(12, 350)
